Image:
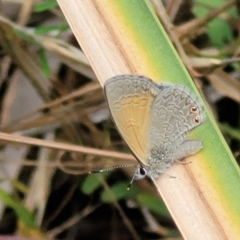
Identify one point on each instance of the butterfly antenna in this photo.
(111, 168)
(133, 177)
(130, 184)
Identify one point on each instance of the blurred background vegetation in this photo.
(49, 91)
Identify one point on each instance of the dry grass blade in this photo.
(62, 146)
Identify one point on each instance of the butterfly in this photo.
(154, 120)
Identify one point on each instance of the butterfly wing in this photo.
(175, 112)
(130, 99)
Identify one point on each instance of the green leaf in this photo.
(45, 6)
(43, 63)
(24, 36)
(119, 191)
(218, 29)
(92, 182)
(233, 132)
(153, 203)
(18, 207)
(219, 32)
(46, 29)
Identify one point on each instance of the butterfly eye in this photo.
(193, 109)
(142, 171)
(196, 120)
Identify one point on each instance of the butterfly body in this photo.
(154, 120)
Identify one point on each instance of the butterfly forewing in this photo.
(130, 100)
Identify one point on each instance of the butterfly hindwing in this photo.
(175, 112)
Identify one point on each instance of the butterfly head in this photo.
(139, 173)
